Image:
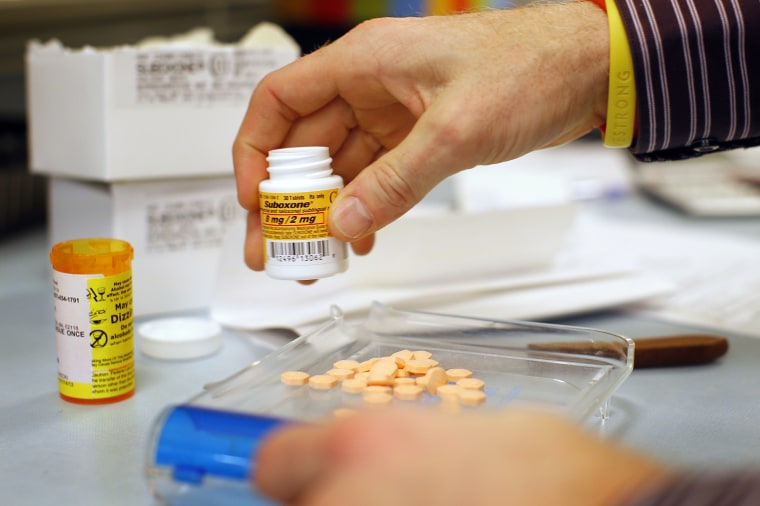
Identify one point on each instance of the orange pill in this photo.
(404, 355)
(455, 375)
(448, 392)
(294, 378)
(408, 392)
(436, 377)
(323, 382)
(377, 398)
(377, 389)
(346, 364)
(384, 366)
(471, 397)
(471, 384)
(366, 365)
(419, 366)
(421, 355)
(380, 378)
(404, 381)
(395, 360)
(353, 385)
(341, 374)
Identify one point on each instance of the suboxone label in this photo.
(295, 230)
(192, 77)
(94, 334)
(193, 221)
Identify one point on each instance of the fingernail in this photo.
(351, 218)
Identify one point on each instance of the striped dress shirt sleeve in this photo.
(739, 489)
(697, 70)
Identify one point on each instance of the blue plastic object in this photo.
(195, 442)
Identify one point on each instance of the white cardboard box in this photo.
(131, 113)
(176, 227)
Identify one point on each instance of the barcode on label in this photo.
(302, 250)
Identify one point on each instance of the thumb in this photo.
(393, 184)
(290, 461)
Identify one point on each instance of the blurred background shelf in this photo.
(107, 23)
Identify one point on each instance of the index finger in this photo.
(280, 99)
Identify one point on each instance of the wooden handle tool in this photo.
(668, 351)
(661, 351)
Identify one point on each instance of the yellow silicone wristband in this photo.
(621, 101)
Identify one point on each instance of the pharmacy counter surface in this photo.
(55, 452)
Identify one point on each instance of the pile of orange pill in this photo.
(405, 375)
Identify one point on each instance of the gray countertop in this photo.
(55, 452)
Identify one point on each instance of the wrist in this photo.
(602, 4)
(599, 43)
(619, 126)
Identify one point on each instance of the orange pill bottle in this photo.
(92, 293)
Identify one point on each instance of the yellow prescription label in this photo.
(296, 216)
(295, 230)
(95, 334)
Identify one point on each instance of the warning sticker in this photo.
(95, 334)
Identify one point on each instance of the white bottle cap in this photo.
(180, 338)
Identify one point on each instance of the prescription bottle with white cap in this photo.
(295, 203)
(92, 294)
